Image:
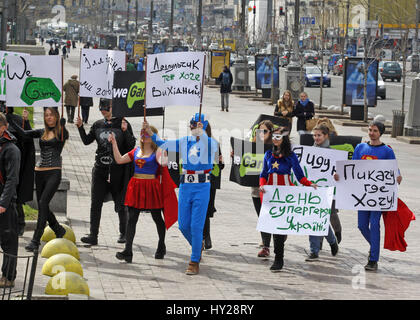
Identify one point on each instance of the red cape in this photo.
(170, 201)
(396, 223)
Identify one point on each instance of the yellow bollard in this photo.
(64, 283)
(61, 262)
(49, 234)
(61, 245)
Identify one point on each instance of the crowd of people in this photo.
(137, 178)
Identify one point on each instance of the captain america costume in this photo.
(194, 188)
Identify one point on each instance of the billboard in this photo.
(354, 78)
(219, 59)
(263, 71)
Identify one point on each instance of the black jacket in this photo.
(25, 189)
(100, 131)
(9, 169)
(303, 113)
(225, 88)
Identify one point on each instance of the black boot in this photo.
(125, 255)
(207, 243)
(160, 251)
(32, 246)
(278, 264)
(90, 239)
(61, 232)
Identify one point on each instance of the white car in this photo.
(213, 46)
(251, 62)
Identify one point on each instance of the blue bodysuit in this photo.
(197, 162)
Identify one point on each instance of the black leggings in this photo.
(47, 183)
(133, 216)
(210, 211)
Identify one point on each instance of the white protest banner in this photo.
(295, 210)
(367, 185)
(33, 81)
(174, 79)
(97, 69)
(3, 55)
(318, 164)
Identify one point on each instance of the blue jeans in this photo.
(369, 225)
(315, 241)
(193, 200)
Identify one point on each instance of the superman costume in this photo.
(369, 221)
(194, 189)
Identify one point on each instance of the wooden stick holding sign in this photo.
(202, 88)
(62, 96)
(78, 101)
(145, 88)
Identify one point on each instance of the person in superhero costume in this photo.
(198, 153)
(107, 175)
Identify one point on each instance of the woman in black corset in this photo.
(47, 170)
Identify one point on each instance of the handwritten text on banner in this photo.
(174, 79)
(97, 69)
(367, 185)
(33, 81)
(295, 210)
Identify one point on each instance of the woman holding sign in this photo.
(369, 221)
(47, 171)
(321, 140)
(278, 164)
(146, 193)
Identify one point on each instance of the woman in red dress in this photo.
(150, 189)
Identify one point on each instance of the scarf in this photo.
(304, 103)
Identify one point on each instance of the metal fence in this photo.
(29, 262)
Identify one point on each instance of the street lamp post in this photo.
(128, 18)
(294, 82)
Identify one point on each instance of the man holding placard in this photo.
(377, 189)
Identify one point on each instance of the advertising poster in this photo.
(354, 77)
(159, 48)
(263, 71)
(128, 95)
(219, 59)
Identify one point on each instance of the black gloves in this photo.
(62, 122)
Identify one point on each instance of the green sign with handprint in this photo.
(36, 89)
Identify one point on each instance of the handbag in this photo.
(311, 123)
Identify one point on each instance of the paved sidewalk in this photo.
(231, 270)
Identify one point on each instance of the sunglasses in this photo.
(263, 130)
(277, 136)
(104, 108)
(193, 124)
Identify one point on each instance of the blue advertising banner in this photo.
(159, 48)
(121, 43)
(354, 78)
(129, 47)
(263, 71)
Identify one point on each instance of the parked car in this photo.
(310, 56)
(313, 77)
(214, 46)
(381, 91)
(390, 70)
(338, 68)
(285, 58)
(251, 62)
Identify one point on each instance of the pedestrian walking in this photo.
(71, 89)
(369, 221)
(226, 80)
(198, 153)
(85, 104)
(145, 192)
(64, 49)
(51, 52)
(215, 181)
(140, 65)
(25, 188)
(304, 111)
(9, 177)
(47, 170)
(278, 164)
(321, 140)
(284, 108)
(107, 175)
(262, 134)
